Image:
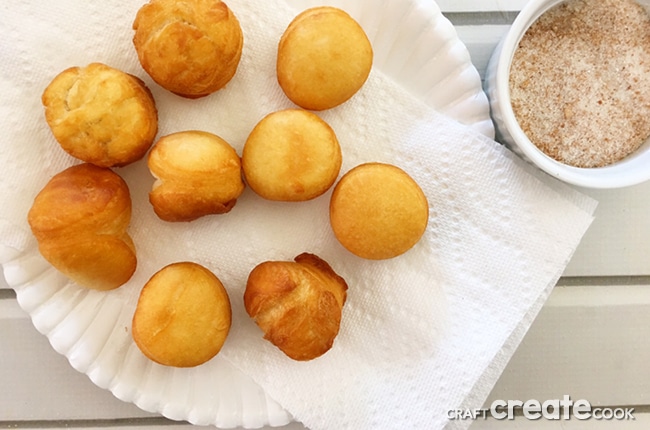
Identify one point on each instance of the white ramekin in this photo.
(632, 170)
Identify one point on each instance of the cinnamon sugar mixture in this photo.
(580, 81)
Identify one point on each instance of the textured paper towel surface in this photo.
(419, 331)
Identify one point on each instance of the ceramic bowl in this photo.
(631, 170)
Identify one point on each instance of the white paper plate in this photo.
(417, 47)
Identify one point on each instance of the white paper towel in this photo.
(422, 333)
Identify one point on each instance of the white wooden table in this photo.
(591, 340)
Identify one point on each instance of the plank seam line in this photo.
(481, 18)
(7, 293)
(603, 281)
(95, 423)
(162, 421)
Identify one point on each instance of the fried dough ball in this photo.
(291, 155)
(189, 47)
(198, 173)
(377, 211)
(101, 115)
(80, 220)
(183, 316)
(297, 304)
(324, 57)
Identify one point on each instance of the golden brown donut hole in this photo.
(183, 316)
(377, 211)
(324, 58)
(291, 155)
(189, 47)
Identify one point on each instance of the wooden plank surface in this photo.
(39, 384)
(618, 241)
(584, 343)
